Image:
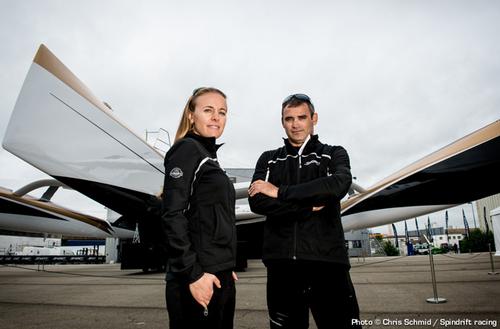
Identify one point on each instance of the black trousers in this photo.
(326, 289)
(185, 313)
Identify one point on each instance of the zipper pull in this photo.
(302, 150)
(205, 312)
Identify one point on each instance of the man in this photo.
(298, 187)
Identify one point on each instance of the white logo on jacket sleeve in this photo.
(176, 173)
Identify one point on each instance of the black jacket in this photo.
(319, 176)
(198, 217)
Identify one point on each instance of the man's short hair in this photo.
(295, 100)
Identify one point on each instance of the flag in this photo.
(429, 233)
(486, 221)
(395, 235)
(466, 225)
(407, 236)
(446, 219)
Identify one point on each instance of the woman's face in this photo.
(209, 116)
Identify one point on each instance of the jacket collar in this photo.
(207, 142)
(310, 145)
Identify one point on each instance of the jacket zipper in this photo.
(294, 257)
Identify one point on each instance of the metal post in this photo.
(492, 262)
(435, 299)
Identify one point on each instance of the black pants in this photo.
(185, 313)
(326, 289)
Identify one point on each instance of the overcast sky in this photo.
(392, 81)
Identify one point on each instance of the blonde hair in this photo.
(185, 125)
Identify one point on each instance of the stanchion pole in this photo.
(435, 299)
(493, 272)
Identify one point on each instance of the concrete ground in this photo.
(392, 293)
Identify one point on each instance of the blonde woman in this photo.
(198, 219)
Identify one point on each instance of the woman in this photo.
(198, 219)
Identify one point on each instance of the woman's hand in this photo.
(203, 289)
(266, 188)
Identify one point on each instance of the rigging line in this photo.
(104, 131)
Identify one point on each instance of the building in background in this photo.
(358, 243)
(438, 237)
(490, 203)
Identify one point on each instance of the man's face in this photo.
(298, 123)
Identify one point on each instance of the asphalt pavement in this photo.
(392, 293)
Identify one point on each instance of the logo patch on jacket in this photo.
(176, 173)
